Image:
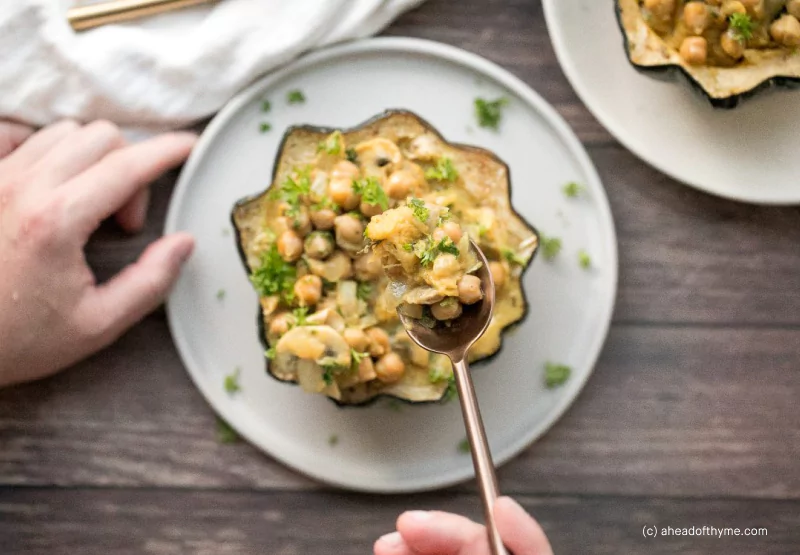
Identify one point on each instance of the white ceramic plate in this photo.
(747, 154)
(380, 449)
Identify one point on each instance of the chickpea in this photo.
(301, 223)
(308, 290)
(390, 368)
(793, 7)
(357, 339)
(694, 50)
(323, 219)
(400, 184)
(279, 324)
(349, 229)
(319, 245)
(661, 9)
(786, 30)
(378, 342)
(469, 289)
(290, 246)
(499, 274)
(453, 231)
(445, 265)
(370, 210)
(448, 309)
(732, 46)
(368, 266)
(696, 17)
(342, 193)
(754, 7)
(345, 168)
(730, 7)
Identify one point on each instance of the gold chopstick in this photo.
(94, 15)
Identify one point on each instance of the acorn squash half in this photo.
(764, 64)
(337, 333)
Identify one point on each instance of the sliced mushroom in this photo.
(337, 267)
(376, 156)
(423, 295)
(307, 352)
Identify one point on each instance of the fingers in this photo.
(107, 186)
(112, 308)
(11, 136)
(77, 152)
(438, 533)
(392, 544)
(520, 533)
(133, 215)
(40, 143)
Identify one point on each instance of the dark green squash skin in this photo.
(674, 72)
(262, 336)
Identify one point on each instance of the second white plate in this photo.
(378, 448)
(747, 154)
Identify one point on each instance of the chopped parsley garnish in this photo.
(333, 144)
(266, 106)
(325, 203)
(232, 381)
(333, 440)
(555, 374)
(489, 112)
(408, 247)
(512, 257)
(271, 353)
(741, 26)
(428, 250)
(443, 217)
(292, 190)
(420, 210)
(226, 434)
(264, 126)
(463, 446)
(371, 192)
(482, 230)
(438, 374)
(443, 171)
(351, 155)
(551, 246)
(295, 97)
(327, 374)
(584, 260)
(275, 276)
(573, 189)
(300, 316)
(364, 290)
(221, 294)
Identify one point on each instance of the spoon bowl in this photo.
(454, 341)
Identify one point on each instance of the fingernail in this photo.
(391, 540)
(185, 249)
(513, 505)
(419, 516)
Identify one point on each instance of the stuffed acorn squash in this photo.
(728, 49)
(327, 319)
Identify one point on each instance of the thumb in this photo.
(520, 533)
(115, 306)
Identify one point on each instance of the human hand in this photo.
(56, 186)
(438, 533)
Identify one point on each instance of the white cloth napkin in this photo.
(166, 71)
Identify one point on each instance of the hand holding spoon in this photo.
(455, 341)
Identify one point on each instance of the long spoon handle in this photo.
(481, 456)
(115, 11)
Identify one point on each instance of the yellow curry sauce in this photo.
(329, 313)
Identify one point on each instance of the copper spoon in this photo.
(455, 341)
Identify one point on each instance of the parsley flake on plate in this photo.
(573, 189)
(489, 112)
(556, 374)
(295, 97)
(232, 381)
(551, 246)
(225, 433)
(584, 260)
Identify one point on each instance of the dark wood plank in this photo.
(45, 522)
(668, 412)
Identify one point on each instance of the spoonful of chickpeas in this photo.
(446, 292)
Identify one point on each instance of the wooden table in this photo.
(690, 419)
